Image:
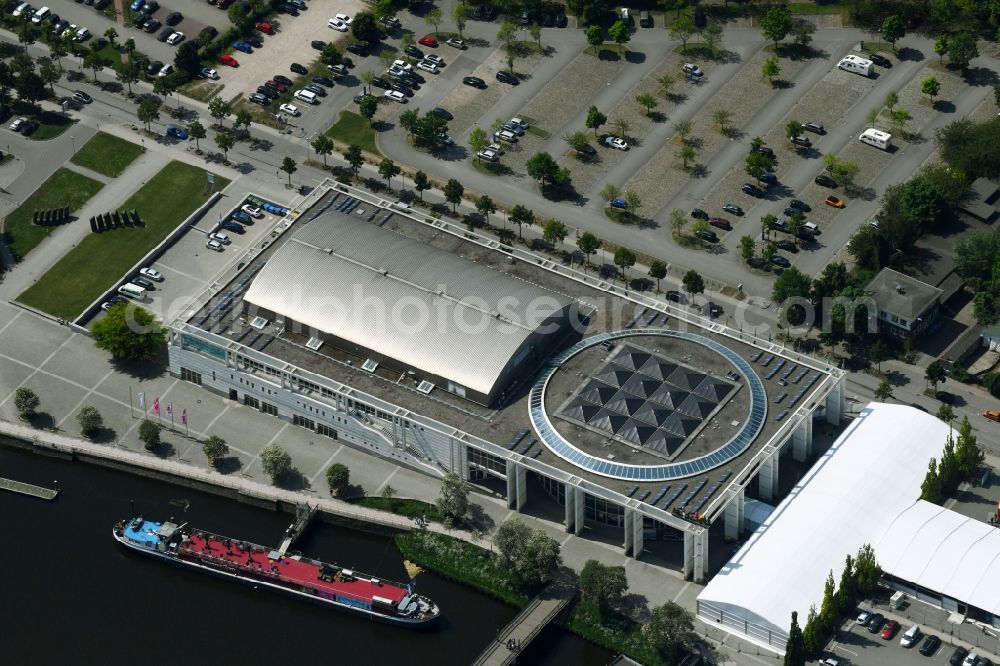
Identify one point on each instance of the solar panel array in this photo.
(749, 428)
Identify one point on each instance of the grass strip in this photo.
(353, 129)
(402, 506)
(107, 154)
(89, 269)
(63, 188)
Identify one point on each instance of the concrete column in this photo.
(579, 506)
(522, 486)
(688, 568)
(767, 476)
(633, 533)
(734, 515)
(570, 519)
(700, 555)
(835, 403)
(511, 484)
(802, 440)
(628, 531)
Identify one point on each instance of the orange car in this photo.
(835, 202)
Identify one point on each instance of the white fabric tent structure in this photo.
(854, 494)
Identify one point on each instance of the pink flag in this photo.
(170, 409)
(184, 416)
(156, 406)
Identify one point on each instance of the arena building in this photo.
(628, 419)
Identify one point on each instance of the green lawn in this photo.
(90, 268)
(63, 188)
(107, 154)
(352, 128)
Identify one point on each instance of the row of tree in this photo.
(960, 461)
(858, 580)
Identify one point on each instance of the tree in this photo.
(595, 119)
(90, 420)
(59, 49)
(275, 462)
(610, 192)
(900, 117)
(602, 584)
(795, 651)
(420, 183)
(877, 353)
(867, 572)
(884, 391)
(577, 141)
(478, 139)
(941, 47)
(149, 434)
(520, 216)
(26, 402)
(453, 191)
(670, 631)
(535, 31)
(893, 30)
(946, 413)
(664, 84)
(243, 119)
(812, 641)
(434, 18)
(49, 75)
(747, 248)
(388, 492)
(996, 95)
(485, 207)
(721, 118)
(712, 36)
(127, 72)
(975, 255)
(962, 49)
(621, 126)
(365, 28)
(453, 502)
(687, 153)
(219, 109)
(323, 145)
(30, 87)
(338, 477)
(187, 59)
(129, 333)
(595, 36)
(931, 87)
(677, 221)
(829, 609)
(967, 452)
(354, 158)
(531, 555)
(793, 129)
(588, 244)
(331, 55)
(225, 142)
(554, 232)
(387, 169)
(770, 69)
(367, 108)
(543, 167)
(804, 33)
(948, 470)
(776, 23)
(872, 116)
(289, 167)
(506, 33)
(459, 15)
(368, 75)
(647, 101)
(930, 488)
(214, 449)
(935, 374)
(792, 284)
(693, 282)
(682, 29)
(619, 32)
(95, 62)
(767, 223)
(657, 271)
(756, 164)
(768, 252)
(624, 259)
(847, 592)
(633, 202)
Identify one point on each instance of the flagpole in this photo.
(131, 412)
(171, 417)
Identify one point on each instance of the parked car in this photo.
(474, 81)
(243, 218)
(177, 132)
(957, 657)
(153, 68)
(260, 98)
(413, 51)
(693, 69)
(429, 40)
(732, 208)
(166, 70)
(228, 60)
(720, 222)
(834, 201)
(323, 80)
(511, 127)
(457, 43)
(488, 155)
(889, 630)
(789, 246)
(442, 113)
(618, 202)
(209, 73)
(151, 26)
(175, 38)
(768, 177)
(81, 96)
(804, 207)
(337, 25)
(151, 273)
(428, 66)
(252, 211)
(802, 141)
(507, 77)
(707, 235)
(316, 89)
(283, 80)
(143, 282)
(825, 181)
(930, 646)
(698, 213)
(880, 60)
(395, 96)
(815, 128)
(779, 260)
(358, 49)
(875, 623)
(615, 142)
(765, 150)
(214, 245)
(243, 46)
(290, 109)
(268, 93)
(298, 69)
(752, 190)
(235, 227)
(28, 128)
(379, 82)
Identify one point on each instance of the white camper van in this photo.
(877, 138)
(132, 291)
(856, 64)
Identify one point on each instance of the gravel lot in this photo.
(563, 97)
(586, 174)
(661, 179)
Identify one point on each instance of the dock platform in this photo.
(28, 489)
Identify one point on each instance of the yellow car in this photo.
(835, 202)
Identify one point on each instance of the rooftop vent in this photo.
(314, 344)
(899, 289)
(425, 387)
(369, 365)
(259, 323)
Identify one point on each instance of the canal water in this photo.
(72, 595)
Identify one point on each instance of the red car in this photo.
(227, 59)
(265, 28)
(721, 223)
(428, 40)
(890, 629)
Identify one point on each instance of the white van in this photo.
(810, 227)
(877, 138)
(40, 15)
(132, 291)
(856, 64)
(306, 96)
(911, 636)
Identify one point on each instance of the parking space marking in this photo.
(12, 320)
(388, 479)
(84, 399)
(217, 417)
(325, 465)
(837, 646)
(38, 369)
(269, 443)
(682, 590)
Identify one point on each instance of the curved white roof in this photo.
(427, 308)
(866, 483)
